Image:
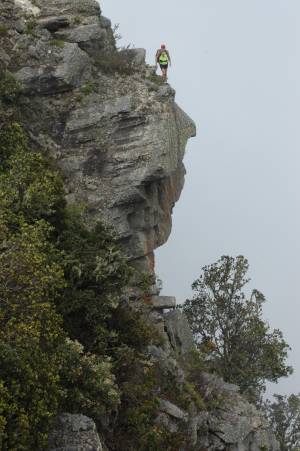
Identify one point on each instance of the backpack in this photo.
(163, 57)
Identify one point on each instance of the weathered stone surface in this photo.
(179, 332)
(236, 424)
(172, 410)
(90, 38)
(121, 147)
(163, 302)
(136, 56)
(54, 23)
(49, 79)
(232, 425)
(28, 7)
(105, 22)
(76, 7)
(74, 433)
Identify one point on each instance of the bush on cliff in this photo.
(228, 325)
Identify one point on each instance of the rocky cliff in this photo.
(119, 138)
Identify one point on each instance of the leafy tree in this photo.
(227, 323)
(284, 416)
(30, 339)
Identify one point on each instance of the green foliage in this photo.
(156, 79)
(9, 88)
(30, 338)
(77, 20)
(31, 27)
(284, 415)
(31, 189)
(229, 325)
(40, 372)
(88, 88)
(57, 43)
(3, 30)
(96, 273)
(12, 140)
(88, 382)
(137, 428)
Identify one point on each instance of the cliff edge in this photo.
(114, 129)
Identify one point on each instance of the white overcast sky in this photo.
(236, 70)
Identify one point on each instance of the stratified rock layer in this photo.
(119, 139)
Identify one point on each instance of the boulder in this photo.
(70, 73)
(28, 7)
(163, 302)
(172, 410)
(90, 38)
(54, 23)
(179, 332)
(74, 433)
(68, 7)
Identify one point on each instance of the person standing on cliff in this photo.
(163, 59)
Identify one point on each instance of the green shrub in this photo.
(3, 30)
(9, 88)
(40, 372)
(77, 20)
(30, 339)
(31, 26)
(57, 43)
(88, 88)
(96, 273)
(156, 79)
(89, 384)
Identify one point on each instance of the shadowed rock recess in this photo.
(119, 138)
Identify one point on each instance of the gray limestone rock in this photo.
(90, 38)
(75, 7)
(54, 23)
(136, 56)
(172, 410)
(74, 433)
(28, 7)
(163, 302)
(179, 332)
(105, 22)
(49, 79)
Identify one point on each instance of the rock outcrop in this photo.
(119, 138)
(74, 432)
(230, 423)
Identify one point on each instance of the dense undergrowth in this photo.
(68, 340)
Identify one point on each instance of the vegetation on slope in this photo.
(227, 323)
(68, 340)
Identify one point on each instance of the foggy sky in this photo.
(236, 71)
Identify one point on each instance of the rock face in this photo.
(74, 433)
(231, 423)
(119, 138)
